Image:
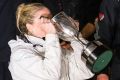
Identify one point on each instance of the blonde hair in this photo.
(25, 14)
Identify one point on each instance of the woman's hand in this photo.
(47, 26)
(88, 30)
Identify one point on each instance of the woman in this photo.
(37, 54)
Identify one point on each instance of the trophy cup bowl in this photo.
(65, 27)
(95, 55)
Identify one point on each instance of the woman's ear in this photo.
(29, 27)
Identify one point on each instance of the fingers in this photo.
(47, 25)
(44, 20)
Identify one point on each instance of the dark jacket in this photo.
(109, 23)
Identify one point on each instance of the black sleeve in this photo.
(106, 21)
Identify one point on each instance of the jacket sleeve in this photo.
(78, 68)
(107, 21)
(24, 65)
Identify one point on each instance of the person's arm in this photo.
(27, 66)
(77, 66)
(106, 21)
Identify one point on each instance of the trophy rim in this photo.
(53, 18)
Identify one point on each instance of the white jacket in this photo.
(27, 64)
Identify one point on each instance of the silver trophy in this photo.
(95, 55)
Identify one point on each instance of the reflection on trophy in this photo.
(95, 55)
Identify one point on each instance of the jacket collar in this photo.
(35, 40)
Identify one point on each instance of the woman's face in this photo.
(40, 17)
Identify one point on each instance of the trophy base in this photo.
(98, 58)
(102, 61)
